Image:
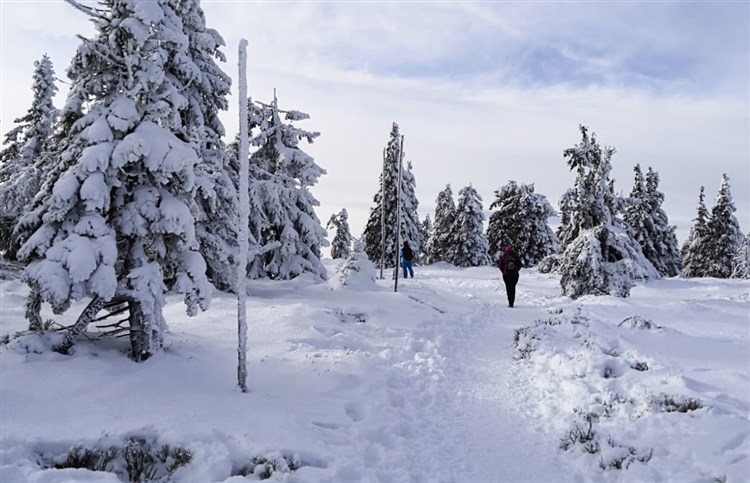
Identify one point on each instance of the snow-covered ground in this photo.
(440, 382)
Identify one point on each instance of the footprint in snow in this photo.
(355, 411)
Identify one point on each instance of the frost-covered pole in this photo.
(242, 236)
(398, 211)
(382, 216)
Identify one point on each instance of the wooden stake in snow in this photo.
(398, 212)
(242, 236)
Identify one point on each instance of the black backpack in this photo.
(408, 254)
(511, 263)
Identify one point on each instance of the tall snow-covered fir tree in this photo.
(694, 251)
(668, 260)
(282, 208)
(409, 225)
(21, 160)
(117, 226)
(600, 256)
(341, 246)
(741, 260)
(520, 220)
(724, 233)
(469, 247)
(425, 230)
(650, 225)
(445, 214)
(206, 91)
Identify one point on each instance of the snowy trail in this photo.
(477, 417)
(418, 386)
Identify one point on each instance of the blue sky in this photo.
(483, 92)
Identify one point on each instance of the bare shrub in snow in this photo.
(264, 467)
(638, 322)
(94, 459)
(583, 434)
(670, 404)
(136, 460)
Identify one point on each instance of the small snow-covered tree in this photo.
(520, 220)
(426, 233)
(282, 214)
(602, 257)
(342, 241)
(356, 272)
(741, 260)
(724, 233)
(117, 225)
(445, 215)
(21, 160)
(469, 247)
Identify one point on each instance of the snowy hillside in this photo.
(440, 382)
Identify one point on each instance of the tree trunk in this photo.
(33, 309)
(139, 334)
(87, 316)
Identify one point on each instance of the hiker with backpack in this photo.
(510, 264)
(406, 258)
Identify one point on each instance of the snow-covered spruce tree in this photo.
(445, 214)
(410, 225)
(342, 241)
(21, 160)
(649, 224)
(372, 236)
(695, 249)
(741, 260)
(206, 90)
(667, 260)
(118, 226)
(468, 246)
(723, 232)
(520, 220)
(282, 208)
(425, 230)
(603, 258)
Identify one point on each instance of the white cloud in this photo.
(484, 92)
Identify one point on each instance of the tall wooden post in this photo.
(398, 211)
(242, 237)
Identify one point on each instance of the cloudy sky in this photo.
(483, 92)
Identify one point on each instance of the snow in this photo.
(423, 385)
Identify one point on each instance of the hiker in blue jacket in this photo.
(406, 257)
(510, 264)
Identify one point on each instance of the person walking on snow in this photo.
(510, 264)
(406, 257)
